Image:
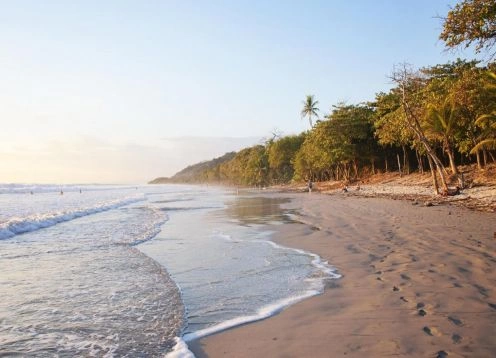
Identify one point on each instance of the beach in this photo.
(416, 281)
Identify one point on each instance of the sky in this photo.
(126, 91)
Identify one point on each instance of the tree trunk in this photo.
(451, 157)
(433, 174)
(386, 163)
(406, 163)
(484, 156)
(372, 162)
(412, 120)
(479, 165)
(399, 164)
(492, 157)
(420, 163)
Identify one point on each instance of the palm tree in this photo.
(442, 122)
(487, 122)
(310, 109)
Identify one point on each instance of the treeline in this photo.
(435, 118)
(447, 109)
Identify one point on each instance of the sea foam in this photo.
(16, 225)
(326, 272)
(180, 350)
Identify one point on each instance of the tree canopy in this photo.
(438, 116)
(471, 22)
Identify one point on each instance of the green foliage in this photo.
(487, 122)
(389, 120)
(447, 109)
(281, 155)
(471, 22)
(335, 145)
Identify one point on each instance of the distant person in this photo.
(31, 192)
(80, 191)
(310, 185)
(61, 192)
(345, 189)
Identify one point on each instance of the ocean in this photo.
(138, 271)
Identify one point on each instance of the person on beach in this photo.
(310, 185)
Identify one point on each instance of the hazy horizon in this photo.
(165, 157)
(90, 90)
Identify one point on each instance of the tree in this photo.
(390, 125)
(471, 22)
(449, 103)
(442, 120)
(282, 153)
(334, 147)
(310, 109)
(410, 86)
(487, 122)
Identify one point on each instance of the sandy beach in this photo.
(418, 281)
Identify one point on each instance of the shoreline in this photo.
(417, 281)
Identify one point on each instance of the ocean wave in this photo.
(324, 271)
(178, 208)
(16, 226)
(180, 350)
(56, 188)
(263, 313)
(152, 229)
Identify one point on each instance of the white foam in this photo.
(180, 350)
(16, 226)
(323, 266)
(55, 188)
(262, 313)
(276, 307)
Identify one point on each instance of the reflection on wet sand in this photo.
(250, 210)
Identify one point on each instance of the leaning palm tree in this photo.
(309, 109)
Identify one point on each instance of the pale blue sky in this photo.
(136, 74)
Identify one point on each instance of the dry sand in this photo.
(417, 281)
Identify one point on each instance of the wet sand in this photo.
(417, 281)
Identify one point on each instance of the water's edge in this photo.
(181, 350)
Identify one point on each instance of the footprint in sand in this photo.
(404, 276)
(431, 331)
(456, 338)
(441, 354)
(422, 312)
(458, 322)
(395, 289)
(403, 299)
(482, 290)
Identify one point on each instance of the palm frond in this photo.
(485, 118)
(488, 144)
